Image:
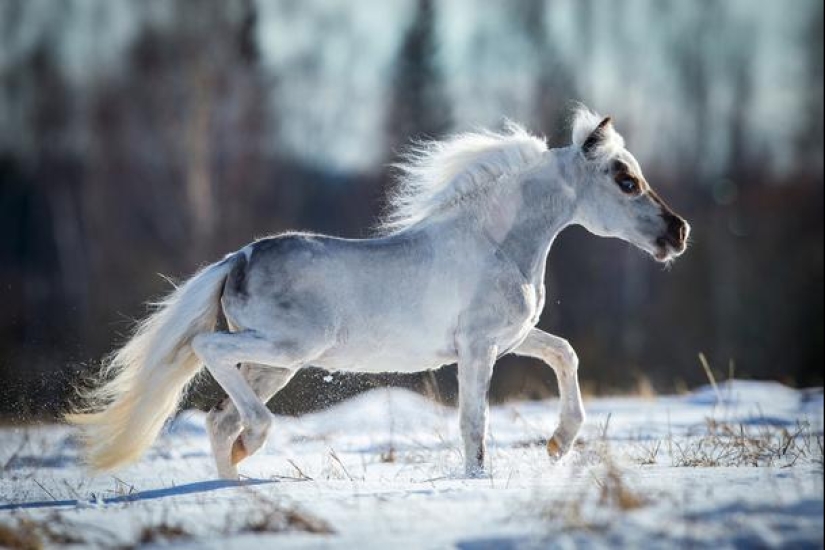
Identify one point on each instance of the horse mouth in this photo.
(665, 250)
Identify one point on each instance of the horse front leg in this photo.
(475, 368)
(560, 356)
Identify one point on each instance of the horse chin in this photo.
(665, 253)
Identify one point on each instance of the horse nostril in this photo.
(683, 231)
(677, 230)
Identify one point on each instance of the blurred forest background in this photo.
(140, 137)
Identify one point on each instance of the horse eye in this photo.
(627, 185)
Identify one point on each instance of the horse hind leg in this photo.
(224, 423)
(221, 352)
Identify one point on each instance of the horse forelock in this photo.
(435, 176)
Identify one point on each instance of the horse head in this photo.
(613, 198)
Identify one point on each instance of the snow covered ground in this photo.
(736, 466)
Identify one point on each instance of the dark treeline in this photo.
(172, 160)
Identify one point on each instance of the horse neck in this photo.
(524, 219)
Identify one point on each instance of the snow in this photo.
(732, 466)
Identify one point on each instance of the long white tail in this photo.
(144, 380)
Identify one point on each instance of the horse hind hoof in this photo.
(239, 451)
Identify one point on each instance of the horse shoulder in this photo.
(505, 308)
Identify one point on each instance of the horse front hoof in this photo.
(556, 449)
(248, 443)
(553, 448)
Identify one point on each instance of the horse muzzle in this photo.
(674, 241)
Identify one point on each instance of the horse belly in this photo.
(390, 348)
(379, 361)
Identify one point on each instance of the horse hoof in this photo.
(554, 449)
(238, 451)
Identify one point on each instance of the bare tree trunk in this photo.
(199, 185)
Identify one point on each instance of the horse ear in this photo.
(596, 136)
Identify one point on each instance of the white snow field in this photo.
(738, 466)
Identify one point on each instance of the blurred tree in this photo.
(419, 106)
(810, 137)
(555, 85)
(139, 138)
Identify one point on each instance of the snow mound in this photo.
(745, 392)
(377, 411)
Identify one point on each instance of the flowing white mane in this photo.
(437, 175)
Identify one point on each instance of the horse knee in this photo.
(567, 357)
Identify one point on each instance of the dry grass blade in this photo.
(705, 365)
(334, 456)
(51, 496)
(301, 473)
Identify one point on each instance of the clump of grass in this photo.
(615, 492)
(598, 505)
(388, 456)
(271, 517)
(571, 515)
(281, 520)
(647, 452)
(27, 533)
(729, 444)
(757, 444)
(22, 536)
(162, 532)
(594, 511)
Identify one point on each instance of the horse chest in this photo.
(505, 314)
(540, 296)
(524, 311)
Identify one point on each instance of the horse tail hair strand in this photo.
(141, 383)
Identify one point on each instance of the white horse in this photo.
(456, 276)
